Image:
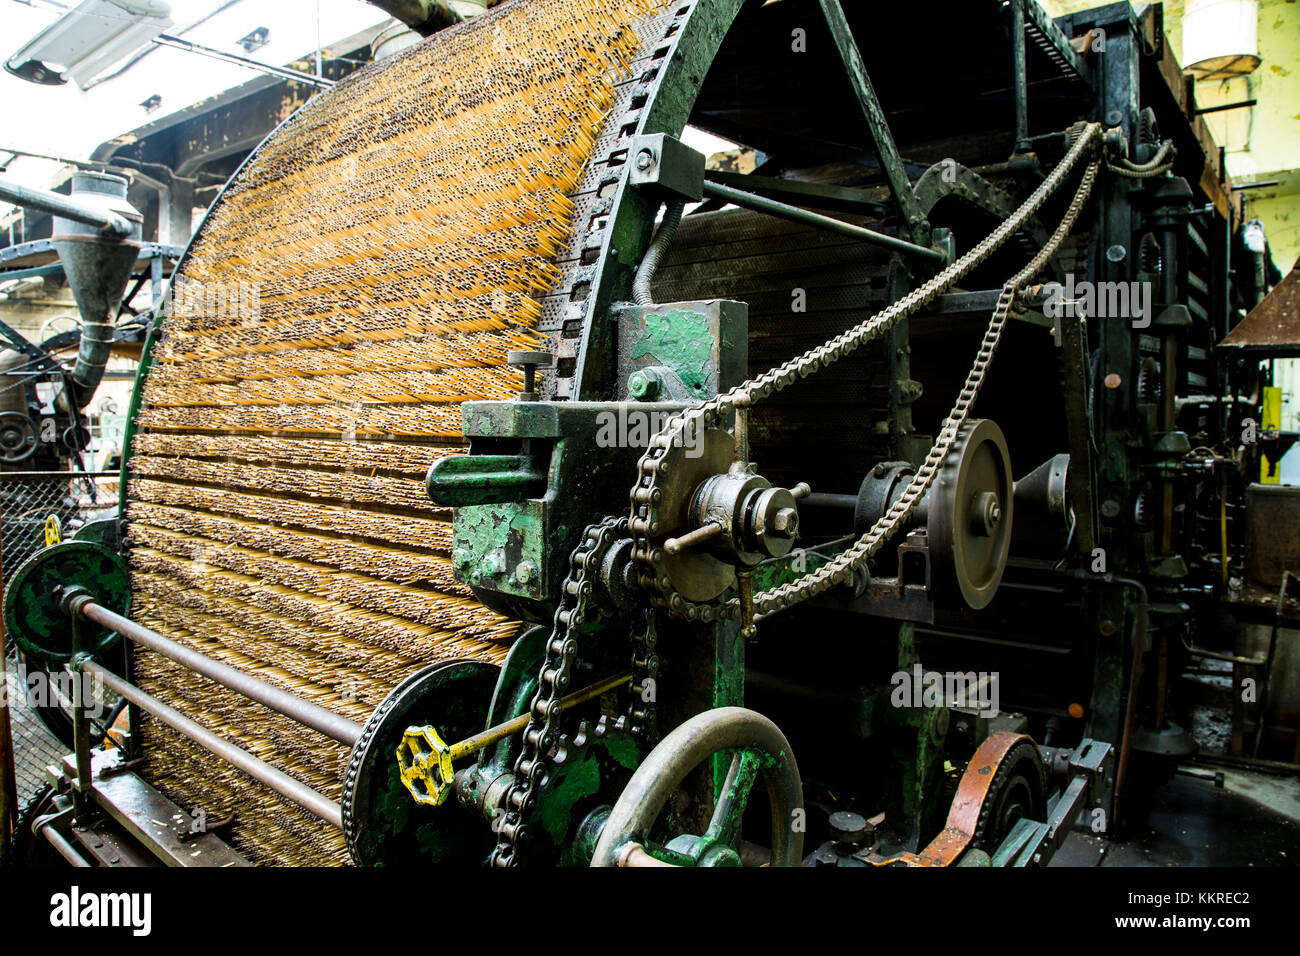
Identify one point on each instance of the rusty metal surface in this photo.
(964, 814)
(175, 836)
(1273, 326)
(968, 803)
(1272, 532)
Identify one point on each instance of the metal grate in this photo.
(27, 501)
(29, 498)
(35, 748)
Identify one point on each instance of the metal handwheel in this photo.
(759, 752)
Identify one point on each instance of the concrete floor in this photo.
(1253, 821)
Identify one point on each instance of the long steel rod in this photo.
(57, 204)
(490, 736)
(282, 702)
(284, 73)
(794, 214)
(277, 780)
(60, 843)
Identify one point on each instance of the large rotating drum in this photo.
(364, 274)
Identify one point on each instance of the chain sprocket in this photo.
(655, 468)
(542, 733)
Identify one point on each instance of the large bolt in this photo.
(985, 513)
(645, 159)
(645, 384)
(785, 523)
(529, 362)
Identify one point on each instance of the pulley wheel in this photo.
(382, 824)
(18, 438)
(969, 515)
(33, 609)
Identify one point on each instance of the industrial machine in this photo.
(522, 489)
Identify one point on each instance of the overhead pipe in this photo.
(429, 16)
(97, 235)
(67, 207)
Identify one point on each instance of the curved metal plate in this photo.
(32, 610)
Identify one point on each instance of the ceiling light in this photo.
(89, 39)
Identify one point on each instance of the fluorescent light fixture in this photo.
(89, 39)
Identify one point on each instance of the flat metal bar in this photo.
(890, 161)
(283, 784)
(794, 214)
(282, 702)
(164, 39)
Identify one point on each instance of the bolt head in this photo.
(645, 159)
(786, 522)
(643, 384)
(495, 563)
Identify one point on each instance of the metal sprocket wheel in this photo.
(383, 826)
(1018, 792)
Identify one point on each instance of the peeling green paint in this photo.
(682, 340)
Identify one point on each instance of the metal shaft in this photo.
(304, 712)
(277, 780)
(490, 736)
(66, 849)
(56, 204)
(794, 214)
(705, 532)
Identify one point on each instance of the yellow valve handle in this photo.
(53, 530)
(426, 768)
(425, 761)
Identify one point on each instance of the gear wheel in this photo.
(1018, 792)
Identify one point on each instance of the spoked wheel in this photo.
(759, 752)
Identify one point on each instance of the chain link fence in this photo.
(30, 499)
(35, 746)
(32, 505)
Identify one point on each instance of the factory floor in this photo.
(1253, 821)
